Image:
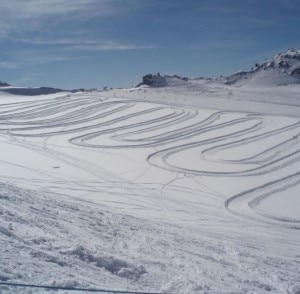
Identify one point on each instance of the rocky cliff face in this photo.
(157, 80)
(154, 80)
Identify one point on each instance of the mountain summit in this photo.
(288, 62)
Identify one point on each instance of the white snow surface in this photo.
(192, 188)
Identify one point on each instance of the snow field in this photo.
(158, 194)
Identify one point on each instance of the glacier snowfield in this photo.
(169, 190)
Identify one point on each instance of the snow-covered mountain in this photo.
(288, 62)
(282, 69)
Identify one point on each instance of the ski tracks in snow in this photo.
(201, 169)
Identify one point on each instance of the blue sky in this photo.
(96, 43)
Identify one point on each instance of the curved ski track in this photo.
(187, 141)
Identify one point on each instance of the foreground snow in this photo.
(183, 189)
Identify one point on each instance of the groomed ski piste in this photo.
(191, 188)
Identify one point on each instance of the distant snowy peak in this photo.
(282, 69)
(288, 62)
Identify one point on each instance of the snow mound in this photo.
(113, 265)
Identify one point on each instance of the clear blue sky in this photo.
(96, 43)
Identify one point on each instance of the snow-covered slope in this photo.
(190, 188)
